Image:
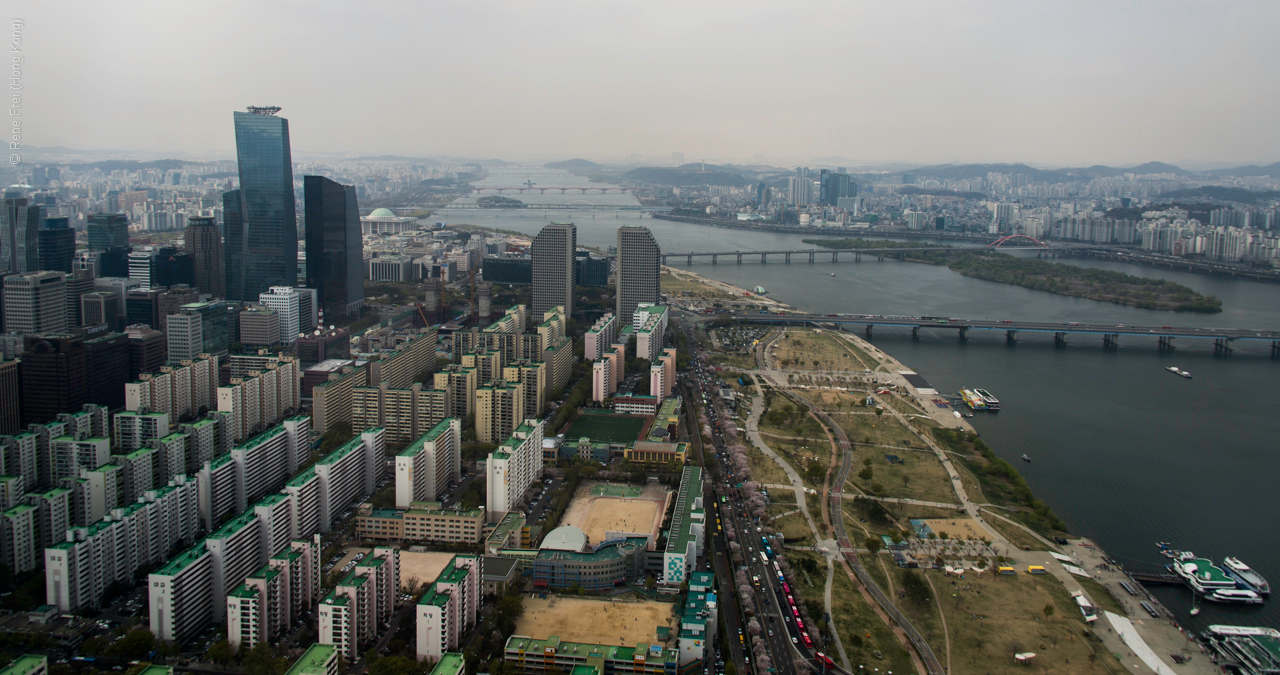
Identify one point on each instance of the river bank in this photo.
(1019, 546)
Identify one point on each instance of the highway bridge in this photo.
(1165, 335)
(814, 254)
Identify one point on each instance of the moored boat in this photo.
(1238, 596)
(1247, 576)
(1201, 574)
(973, 400)
(992, 402)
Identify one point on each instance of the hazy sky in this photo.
(1055, 83)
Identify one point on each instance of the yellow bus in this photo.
(1036, 569)
(1007, 570)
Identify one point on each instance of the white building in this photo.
(18, 538)
(602, 334)
(430, 464)
(360, 602)
(348, 473)
(286, 302)
(602, 379)
(262, 398)
(449, 607)
(180, 390)
(135, 429)
(512, 468)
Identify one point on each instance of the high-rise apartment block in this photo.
(261, 398)
(429, 464)
(360, 602)
(499, 410)
(602, 334)
(449, 607)
(639, 271)
(553, 268)
(260, 223)
(406, 414)
(204, 244)
(334, 245)
(460, 383)
(512, 468)
(649, 328)
(181, 390)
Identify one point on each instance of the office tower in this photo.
(447, 609)
(147, 350)
(10, 398)
(77, 284)
(35, 302)
(259, 327)
(308, 309)
(428, 465)
(19, 247)
(54, 379)
(834, 186)
(108, 231)
(512, 468)
(204, 243)
(639, 271)
(259, 219)
(552, 252)
(286, 303)
(335, 249)
(484, 298)
(198, 328)
(56, 243)
(142, 307)
(329, 344)
(172, 300)
(107, 369)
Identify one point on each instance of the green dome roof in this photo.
(382, 213)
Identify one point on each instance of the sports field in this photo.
(602, 622)
(600, 508)
(424, 567)
(607, 428)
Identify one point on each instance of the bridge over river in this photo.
(855, 254)
(1111, 333)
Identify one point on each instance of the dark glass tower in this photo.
(259, 219)
(335, 249)
(20, 227)
(57, 245)
(108, 231)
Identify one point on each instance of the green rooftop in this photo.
(302, 478)
(314, 661)
(17, 510)
(347, 448)
(260, 438)
(233, 526)
(434, 597)
(24, 664)
(449, 664)
(157, 670)
(244, 591)
(183, 560)
(353, 580)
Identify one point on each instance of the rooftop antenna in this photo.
(267, 110)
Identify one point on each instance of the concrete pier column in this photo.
(689, 261)
(868, 331)
(857, 257)
(1275, 350)
(764, 258)
(1011, 337)
(835, 256)
(915, 332)
(1111, 340)
(739, 258)
(787, 258)
(715, 259)
(1060, 339)
(964, 333)
(810, 256)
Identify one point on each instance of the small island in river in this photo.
(1042, 275)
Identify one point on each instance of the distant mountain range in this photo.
(425, 161)
(689, 174)
(961, 171)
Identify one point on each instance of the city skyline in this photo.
(925, 84)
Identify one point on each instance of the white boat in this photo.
(1177, 371)
(1246, 575)
(1201, 574)
(1235, 596)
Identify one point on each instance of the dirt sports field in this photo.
(594, 621)
(957, 528)
(598, 508)
(424, 567)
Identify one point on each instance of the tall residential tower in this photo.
(639, 269)
(553, 268)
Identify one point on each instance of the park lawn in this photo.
(688, 287)
(763, 468)
(813, 350)
(992, 617)
(785, 498)
(734, 361)
(920, 476)
(1016, 535)
(862, 632)
(924, 617)
(1101, 596)
(899, 513)
(850, 342)
(794, 528)
(878, 430)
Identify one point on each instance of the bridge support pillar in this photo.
(1166, 343)
(1222, 347)
(857, 257)
(764, 258)
(868, 331)
(1060, 339)
(1110, 340)
(835, 256)
(879, 257)
(739, 258)
(787, 259)
(690, 260)
(964, 333)
(664, 260)
(715, 259)
(1011, 337)
(810, 256)
(1275, 350)
(915, 332)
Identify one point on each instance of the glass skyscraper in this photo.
(19, 250)
(259, 220)
(108, 231)
(57, 244)
(335, 249)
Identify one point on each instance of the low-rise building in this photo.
(422, 521)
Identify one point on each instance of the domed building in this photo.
(384, 221)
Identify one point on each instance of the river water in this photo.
(1123, 451)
